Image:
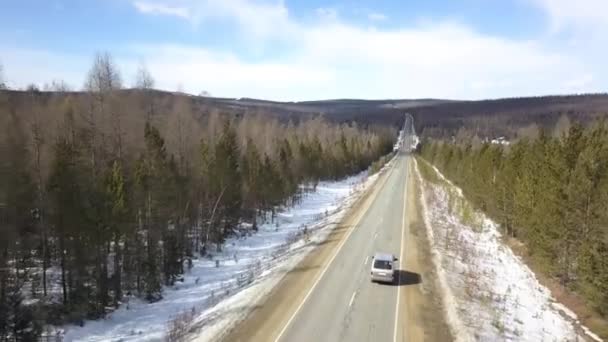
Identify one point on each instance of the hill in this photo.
(433, 117)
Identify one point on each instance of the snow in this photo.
(249, 268)
(411, 144)
(489, 293)
(497, 141)
(399, 141)
(228, 313)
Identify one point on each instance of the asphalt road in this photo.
(343, 304)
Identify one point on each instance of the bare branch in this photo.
(104, 75)
(2, 81)
(143, 78)
(57, 86)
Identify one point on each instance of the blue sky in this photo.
(302, 50)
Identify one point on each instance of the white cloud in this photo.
(583, 15)
(225, 74)
(327, 57)
(256, 18)
(579, 29)
(334, 59)
(376, 16)
(579, 84)
(25, 66)
(327, 13)
(161, 9)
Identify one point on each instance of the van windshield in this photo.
(382, 264)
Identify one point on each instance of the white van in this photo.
(383, 269)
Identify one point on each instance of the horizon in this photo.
(177, 92)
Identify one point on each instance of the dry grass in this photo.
(179, 326)
(426, 307)
(427, 172)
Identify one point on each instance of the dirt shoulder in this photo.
(266, 320)
(421, 305)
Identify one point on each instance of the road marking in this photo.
(375, 236)
(366, 259)
(401, 261)
(352, 299)
(358, 220)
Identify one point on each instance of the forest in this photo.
(113, 195)
(549, 191)
(505, 117)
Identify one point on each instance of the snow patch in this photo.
(459, 331)
(249, 267)
(231, 312)
(489, 293)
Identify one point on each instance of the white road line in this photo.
(352, 299)
(375, 236)
(366, 259)
(331, 260)
(401, 261)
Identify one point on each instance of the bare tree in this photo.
(2, 81)
(102, 82)
(32, 88)
(57, 86)
(38, 142)
(106, 133)
(144, 82)
(531, 131)
(181, 131)
(562, 126)
(143, 78)
(103, 75)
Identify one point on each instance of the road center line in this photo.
(352, 299)
(401, 261)
(358, 220)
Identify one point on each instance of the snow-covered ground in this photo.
(489, 293)
(411, 143)
(248, 269)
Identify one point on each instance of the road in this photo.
(336, 301)
(345, 305)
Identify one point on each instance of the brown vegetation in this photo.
(116, 190)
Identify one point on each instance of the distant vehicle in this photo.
(383, 269)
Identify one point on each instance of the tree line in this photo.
(550, 191)
(504, 117)
(101, 201)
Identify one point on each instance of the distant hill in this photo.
(436, 117)
(503, 117)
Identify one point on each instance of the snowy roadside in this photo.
(489, 293)
(218, 321)
(219, 290)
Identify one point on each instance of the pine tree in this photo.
(227, 182)
(68, 216)
(588, 193)
(119, 212)
(17, 193)
(251, 166)
(549, 192)
(151, 179)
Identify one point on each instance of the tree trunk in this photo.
(117, 271)
(44, 262)
(63, 274)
